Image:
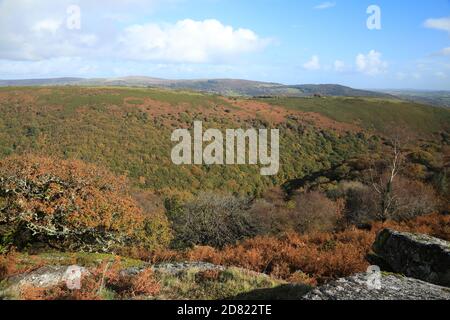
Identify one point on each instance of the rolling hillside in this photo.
(434, 98)
(129, 129)
(373, 113)
(229, 87)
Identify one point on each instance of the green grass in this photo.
(373, 113)
(73, 258)
(189, 284)
(81, 96)
(231, 283)
(87, 259)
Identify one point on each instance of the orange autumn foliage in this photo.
(107, 275)
(8, 264)
(68, 204)
(12, 263)
(317, 257)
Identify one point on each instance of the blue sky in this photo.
(284, 41)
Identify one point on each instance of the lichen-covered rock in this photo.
(415, 255)
(177, 267)
(44, 277)
(392, 287)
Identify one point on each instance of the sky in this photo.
(377, 44)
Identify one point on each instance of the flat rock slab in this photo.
(393, 287)
(415, 255)
(44, 277)
(177, 267)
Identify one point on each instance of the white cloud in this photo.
(37, 30)
(325, 5)
(339, 66)
(438, 24)
(35, 40)
(47, 25)
(371, 63)
(188, 41)
(88, 39)
(313, 64)
(445, 52)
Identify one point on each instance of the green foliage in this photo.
(422, 157)
(126, 130)
(157, 233)
(6, 239)
(374, 113)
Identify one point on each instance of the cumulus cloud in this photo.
(313, 64)
(188, 41)
(325, 5)
(39, 30)
(371, 63)
(438, 24)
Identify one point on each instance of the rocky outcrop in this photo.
(422, 271)
(44, 277)
(391, 287)
(414, 255)
(173, 268)
(177, 267)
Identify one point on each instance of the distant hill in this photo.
(228, 87)
(335, 90)
(40, 82)
(435, 98)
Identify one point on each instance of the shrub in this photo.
(422, 157)
(362, 204)
(8, 264)
(343, 188)
(106, 281)
(212, 220)
(284, 256)
(441, 183)
(315, 213)
(409, 199)
(66, 204)
(412, 199)
(156, 233)
(316, 257)
(144, 284)
(270, 219)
